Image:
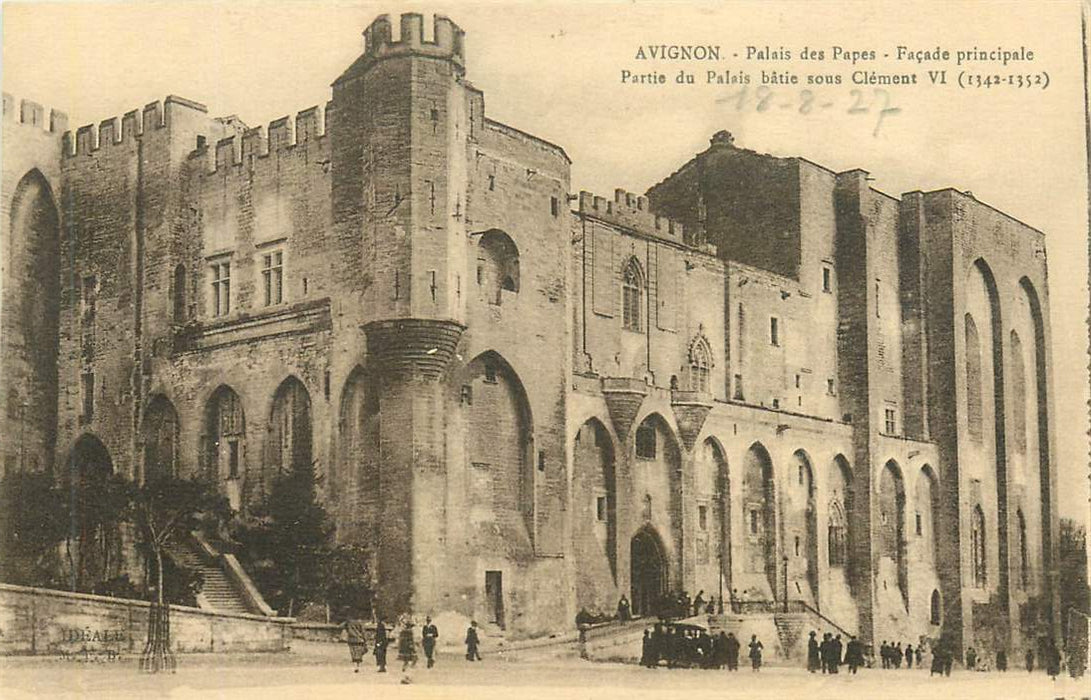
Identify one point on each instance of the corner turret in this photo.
(447, 42)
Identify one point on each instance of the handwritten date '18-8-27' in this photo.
(875, 102)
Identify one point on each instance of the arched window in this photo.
(937, 608)
(977, 540)
(1018, 395)
(973, 378)
(632, 294)
(835, 535)
(700, 360)
(497, 265)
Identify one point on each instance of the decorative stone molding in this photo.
(623, 398)
(690, 409)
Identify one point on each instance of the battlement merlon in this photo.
(134, 123)
(33, 114)
(448, 42)
(631, 211)
(285, 133)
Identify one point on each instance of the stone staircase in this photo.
(218, 592)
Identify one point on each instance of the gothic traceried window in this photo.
(700, 362)
(632, 296)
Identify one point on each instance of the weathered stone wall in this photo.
(54, 623)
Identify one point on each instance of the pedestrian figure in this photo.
(884, 654)
(355, 632)
(381, 642)
(971, 658)
(854, 655)
(1053, 660)
(897, 655)
(407, 647)
(920, 655)
(813, 658)
(647, 650)
(948, 660)
(937, 661)
(836, 647)
(1029, 658)
(429, 633)
(699, 602)
(719, 650)
(710, 609)
(909, 655)
(624, 610)
(731, 648)
(755, 652)
(472, 642)
(1001, 660)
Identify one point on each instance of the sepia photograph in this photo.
(545, 349)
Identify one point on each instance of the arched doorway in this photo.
(224, 444)
(649, 571)
(594, 526)
(94, 506)
(160, 437)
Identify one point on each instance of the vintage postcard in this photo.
(544, 349)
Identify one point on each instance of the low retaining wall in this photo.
(46, 622)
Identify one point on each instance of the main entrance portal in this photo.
(649, 571)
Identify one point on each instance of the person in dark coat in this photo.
(909, 655)
(355, 631)
(813, 658)
(407, 646)
(381, 642)
(1052, 660)
(884, 654)
(937, 660)
(624, 610)
(710, 609)
(755, 652)
(948, 660)
(731, 651)
(1001, 660)
(699, 602)
(897, 655)
(428, 635)
(646, 650)
(824, 652)
(836, 647)
(854, 654)
(1029, 658)
(472, 642)
(719, 650)
(920, 656)
(971, 659)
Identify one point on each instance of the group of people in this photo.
(355, 633)
(892, 655)
(694, 647)
(831, 653)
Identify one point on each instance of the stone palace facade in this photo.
(760, 377)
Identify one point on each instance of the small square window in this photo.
(776, 403)
(466, 395)
(829, 387)
(600, 509)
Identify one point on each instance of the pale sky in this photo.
(553, 69)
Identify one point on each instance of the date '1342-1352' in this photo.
(763, 99)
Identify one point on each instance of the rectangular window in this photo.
(738, 395)
(233, 459)
(702, 517)
(490, 372)
(221, 288)
(272, 277)
(554, 206)
(891, 422)
(87, 396)
(492, 183)
(829, 387)
(645, 442)
(467, 395)
(600, 509)
(753, 522)
(541, 460)
(919, 527)
(774, 330)
(827, 275)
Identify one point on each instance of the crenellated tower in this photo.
(398, 155)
